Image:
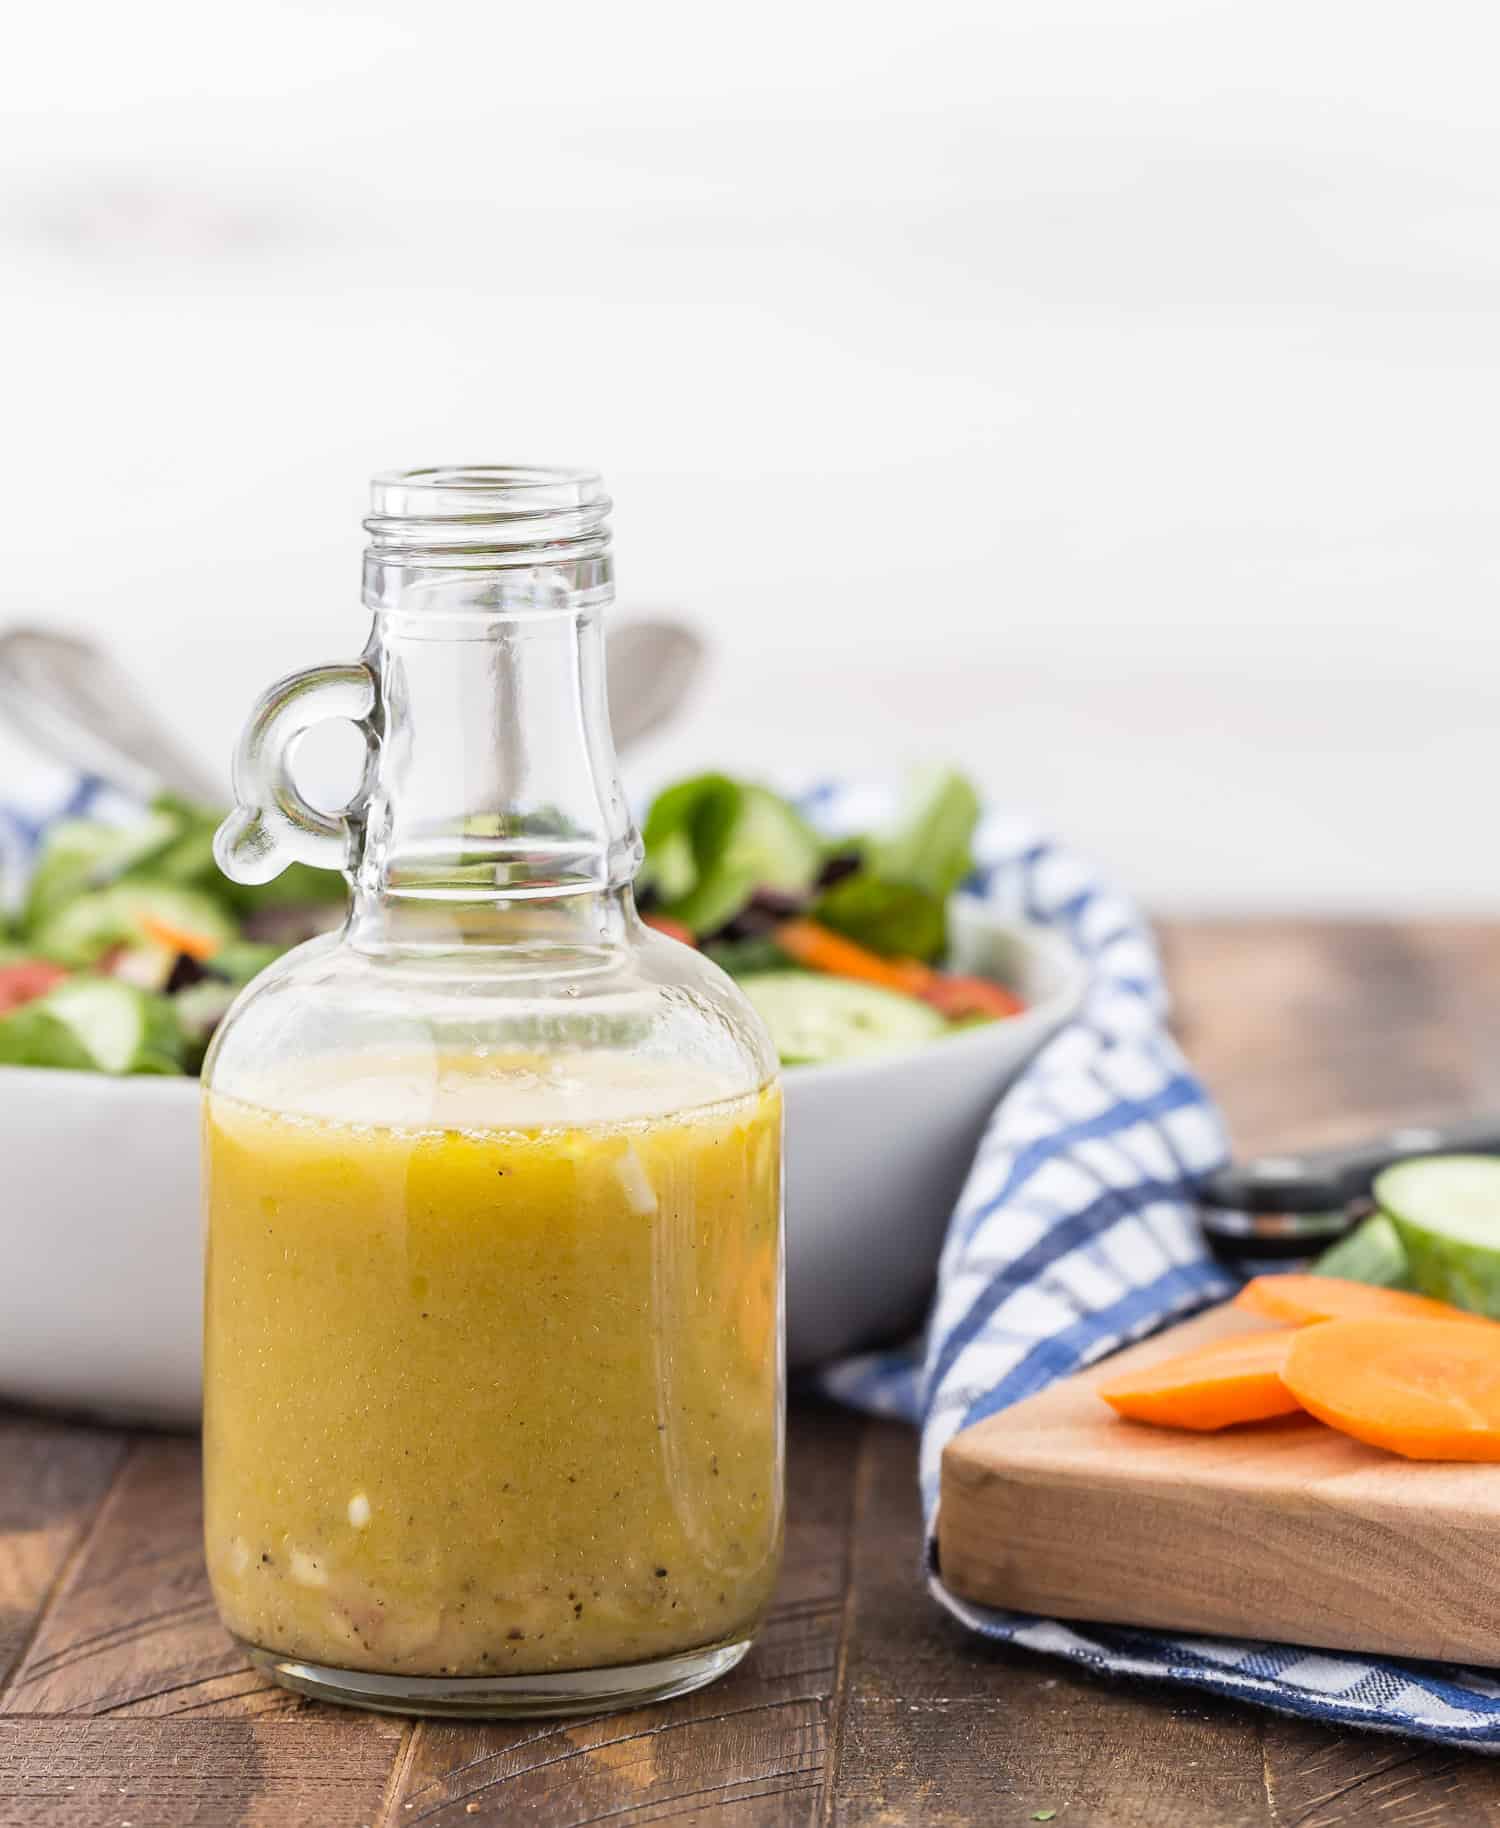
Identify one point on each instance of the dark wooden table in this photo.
(123, 1702)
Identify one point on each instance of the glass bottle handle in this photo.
(272, 825)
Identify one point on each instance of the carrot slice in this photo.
(1428, 1389)
(1233, 1380)
(1300, 1300)
(818, 948)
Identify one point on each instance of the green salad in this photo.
(841, 945)
(130, 945)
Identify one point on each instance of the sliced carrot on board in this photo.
(1429, 1389)
(1301, 1300)
(1233, 1380)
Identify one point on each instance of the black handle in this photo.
(1327, 1179)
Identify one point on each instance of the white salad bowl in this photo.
(99, 1217)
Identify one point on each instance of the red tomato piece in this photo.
(957, 997)
(673, 929)
(26, 981)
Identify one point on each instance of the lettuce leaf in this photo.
(928, 847)
(79, 856)
(711, 842)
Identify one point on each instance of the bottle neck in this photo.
(496, 810)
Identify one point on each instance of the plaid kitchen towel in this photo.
(1075, 1233)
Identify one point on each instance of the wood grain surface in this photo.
(122, 1703)
(1285, 1530)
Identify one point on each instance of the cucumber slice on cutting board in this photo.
(1446, 1211)
(816, 1019)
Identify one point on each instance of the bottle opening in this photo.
(510, 511)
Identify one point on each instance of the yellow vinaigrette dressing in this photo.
(493, 1368)
(493, 1394)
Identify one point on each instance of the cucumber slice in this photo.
(1446, 1210)
(1371, 1253)
(94, 1024)
(108, 1019)
(813, 1019)
(124, 1029)
(88, 926)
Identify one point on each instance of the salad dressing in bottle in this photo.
(493, 1325)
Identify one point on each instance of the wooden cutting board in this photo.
(1281, 1530)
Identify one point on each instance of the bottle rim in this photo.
(472, 509)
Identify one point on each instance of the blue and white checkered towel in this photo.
(1075, 1233)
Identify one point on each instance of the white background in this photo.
(1103, 396)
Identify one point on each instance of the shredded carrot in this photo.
(1428, 1389)
(177, 939)
(1300, 1300)
(818, 948)
(1233, 1380)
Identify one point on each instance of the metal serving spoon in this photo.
(654, 666)
(74, 704)
(78, 706)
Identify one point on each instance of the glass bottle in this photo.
(493, 1360)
